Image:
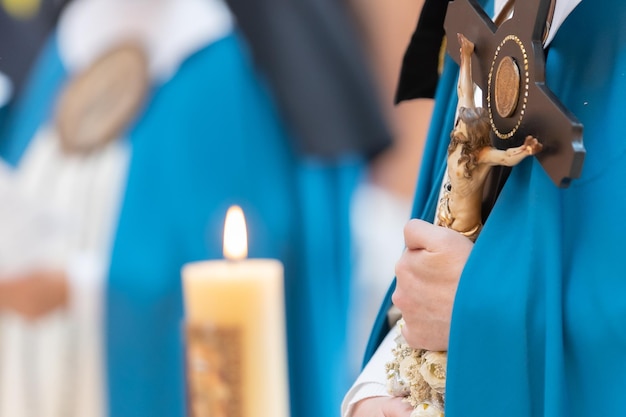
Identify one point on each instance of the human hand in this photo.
(427, 276)
(466, 46)
(382, 407)
(532, 145)
(35, 294)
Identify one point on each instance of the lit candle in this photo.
(236, 331)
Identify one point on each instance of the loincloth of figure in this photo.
(446, 219)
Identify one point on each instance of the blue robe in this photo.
(209, 138)
(539, 321)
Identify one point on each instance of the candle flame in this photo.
(235, 234)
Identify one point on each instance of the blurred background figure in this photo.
(382, 202)
(334, 67)
(141, 123)
(103, 336)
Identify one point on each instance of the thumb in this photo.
(420, 234)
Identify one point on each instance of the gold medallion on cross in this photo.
(508, 64)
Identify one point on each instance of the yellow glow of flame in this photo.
(21, 9)
(235, 234)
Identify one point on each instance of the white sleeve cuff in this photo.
(372, 382)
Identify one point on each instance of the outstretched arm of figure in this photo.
(427, 277)
(465, 86)
(511, 156)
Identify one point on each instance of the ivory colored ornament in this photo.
(425, 410)
(98, 105)
(419, 376)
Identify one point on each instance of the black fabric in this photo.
(420, 66)
(21, 40)
(311, 55)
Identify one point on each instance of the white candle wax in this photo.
(242, 302)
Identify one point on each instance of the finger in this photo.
(398, 408)
(419, 234)
(428, 335)
(410, 337)
(382, 407)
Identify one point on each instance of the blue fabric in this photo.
(538, 325)
(211, 138)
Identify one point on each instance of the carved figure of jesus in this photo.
(471, 156)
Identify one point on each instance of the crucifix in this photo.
(509, 68)
(519, 117)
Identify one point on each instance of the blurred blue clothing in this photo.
(538, 321)
(210, 137)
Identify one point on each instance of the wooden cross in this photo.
(508, 64)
